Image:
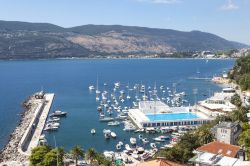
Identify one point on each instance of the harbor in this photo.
(89, 116)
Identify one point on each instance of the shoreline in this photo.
(105, 58)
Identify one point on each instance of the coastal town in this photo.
(214, 131)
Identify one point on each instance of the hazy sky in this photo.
(227, 18)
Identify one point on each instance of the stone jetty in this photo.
(26, 134)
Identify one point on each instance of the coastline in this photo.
(113, 58)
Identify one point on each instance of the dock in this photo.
(32, 134)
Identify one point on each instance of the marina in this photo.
(79, 101)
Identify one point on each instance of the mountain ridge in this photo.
(20, 40)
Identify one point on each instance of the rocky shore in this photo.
(10, 152)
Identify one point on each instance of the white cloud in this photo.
(160, 1)
(229, 6)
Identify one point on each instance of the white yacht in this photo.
(113, 134)
(91, 87)
(132, 140)
(92, 131)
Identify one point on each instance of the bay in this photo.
(69, 80)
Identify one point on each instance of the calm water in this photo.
(69, 80)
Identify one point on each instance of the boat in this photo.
(106, 119)
(109, 155)
(58, 113)
(140, 136)
(54, 119)
(107, 133)
(158, 139)
(91, 87)
(97, 91)
(127, 147)
(153, 145)
(113, 134)
(132, 140)
(99, 109)
(115, 123)
(140, 150)
(118, 146)
(145, 141)
(117, 85)
(92, 131)
(121, 143)
(50, 128)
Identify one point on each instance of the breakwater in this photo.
(26, 135)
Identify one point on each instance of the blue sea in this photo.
(70, 79)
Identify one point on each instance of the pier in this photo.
(31, 137)
(26, 135)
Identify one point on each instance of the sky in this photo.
(229, 19)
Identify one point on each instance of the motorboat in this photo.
(128, 148)
(53, 119)
(158, 139)
(140, 150)
(91, 87)
(106, 119)
(107, 133)
(113, 134)
(99, 109)
(140, 137)
(118, 146)
(153, 145)
(92, 131)
(121, 143)
(114, 123)
(145, 141)
(108, 154)
(132, 140)
(58, 113)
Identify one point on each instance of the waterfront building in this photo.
(158, 114)
(219, 104)
(227, 132)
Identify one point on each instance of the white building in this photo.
(158, 114)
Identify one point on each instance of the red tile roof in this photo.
(217, 147)
(159, 162)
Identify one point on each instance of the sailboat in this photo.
(128, 97)
(97, 91)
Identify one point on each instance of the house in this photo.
(221, 148)
(219, 153)
(211, 159)
(227, 132)
(159, 162)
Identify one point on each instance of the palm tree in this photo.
(77, 151)
(91, 155)
(60, 154)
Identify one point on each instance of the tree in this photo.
(235, 99)
(77, 152)
(37, 155)
(204, 135)
(91, 155)
(50, 159)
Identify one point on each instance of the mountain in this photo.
(19, 40)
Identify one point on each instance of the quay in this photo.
(31, 137)
(26, 135)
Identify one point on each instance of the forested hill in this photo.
(241, 72)
(19, 40)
